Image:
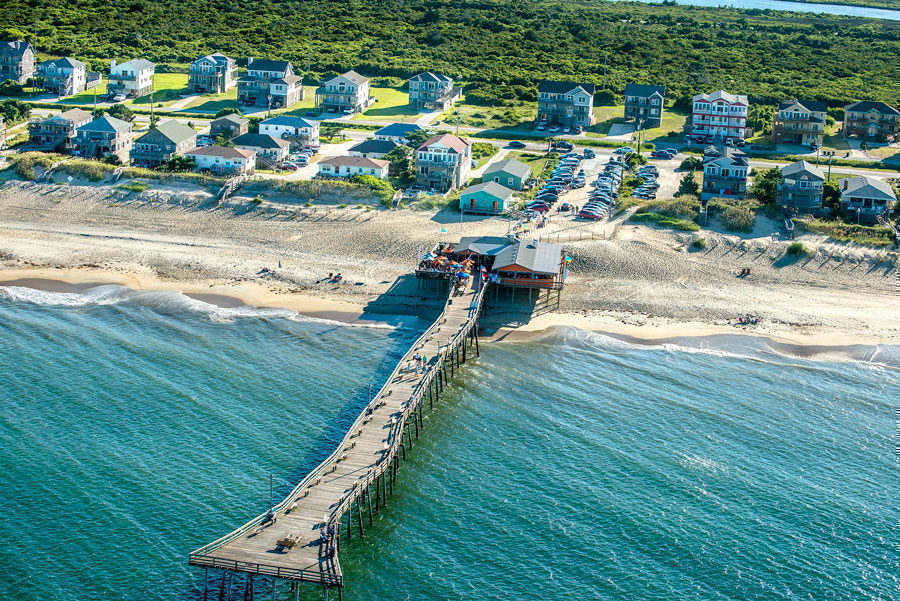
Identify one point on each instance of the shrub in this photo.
(797, 249)
(738, 219)
(134, 186)
(666, 221)
(877, 235)
(92, 170)
(699, 243)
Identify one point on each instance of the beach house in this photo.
(17, 61)
(432, 91)
(133, 78)
(724, 173)
(229, 126)
(347, 93)
(66, 77)
(443, 162)
(269, 84)
(871, 121)
(212, 74)
(800, 122)
(566, 104)
(160, 144)
(373, 149)
(103, 137)
(644, 105)
(719, 118)
(487, 198)
(270, 151)
(800, 189)
(223, 160)
(863, 199)
(57, 132)
(296, 130)
(397, 132)
(509, 172)
(345, 166)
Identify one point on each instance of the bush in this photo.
(877, 235)
(134, 186)
(738, 219)
(699, 243)
(383, 189)
(797, 249)
(691, 164)
(684, 207)
(665, 221)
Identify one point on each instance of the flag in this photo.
(443, 231)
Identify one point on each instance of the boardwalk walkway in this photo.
(286, 543)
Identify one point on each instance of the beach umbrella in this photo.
(428, 257)
(462, 274)
(456, 266)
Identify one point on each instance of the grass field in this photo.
(606, 116)
(391, 105)
(888, 154)
(167, 88)
(519, 117)
(535, 162)
(86, 97)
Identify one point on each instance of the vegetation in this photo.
(119, 111)
(735, 214)
(699, 243)
(482, 151)
(14, 111)
(134, 186)
(688, 185)
(383, 190)
(797, 249)
(674, 223)
(846, 232)
(765, 184)
(501, 48)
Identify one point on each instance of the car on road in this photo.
(516, 144)
(623, 150)
(553, 129)
(118, 97)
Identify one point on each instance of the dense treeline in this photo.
(500, 48)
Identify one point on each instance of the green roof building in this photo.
(489, 198)
(510, 173)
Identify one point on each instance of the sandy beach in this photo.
(632, 281)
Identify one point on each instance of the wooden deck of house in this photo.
(341, 493)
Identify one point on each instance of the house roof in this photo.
(384, 146)
(260, 141)
(492, 188)
(802, 167)
(734, 156)
(106, 124)
(398, 129)
(232, 117)
(517, 168)
(65, 63)
(448, 140)
(482, 245)
(73, 115)
(534, 256)
(226, 152)
(171, 130)
(563, 87)
(639, 89)
(867, 187)
(289, 121)
(265, 64)
(345, 161)
(216, 57)
(137, 64)
(429, 76)
(288, 79)
(813, 106)
(722, 95)
(869, 105)
(14, 47)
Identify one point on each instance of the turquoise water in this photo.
(135, 428)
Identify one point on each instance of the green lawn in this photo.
(391, 104)
(606, 116)
(520, 117)
(86, 97)
(167, 88)
(535, 161)
(888, 154)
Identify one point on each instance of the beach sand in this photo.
(634, 282)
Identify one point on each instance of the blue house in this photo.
(488, 198)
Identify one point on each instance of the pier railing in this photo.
(201, 557)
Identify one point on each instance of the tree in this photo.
(11, 87)
(691, 164)
(688, 185)
(831, 195)
(179, 163)
(329, 131)
(120, 111)
(221, 140)
(228, 110)
(14, 111)
(401, 162)
(112, 159)
(416, 138)
(765, 185)
(759, 118)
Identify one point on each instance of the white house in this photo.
(719, 117)
(350, 166)
(346, 93)
(224, 160)
(296, 130)
(270, 151)
(372, 149)
(397, 132)
(865, 198)
(133, 78)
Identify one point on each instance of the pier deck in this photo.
(286, 543)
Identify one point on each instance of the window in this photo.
(509, 182)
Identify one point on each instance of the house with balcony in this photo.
(212, 74)
(397, 132)
(432, 91)
(800, 122)
(133, 78)
(229, 126)
(17, 61)
(66, 77)
(349, 166)
(226, 161)
(644, 105)
(373, 149)
(269, 84)
(103, 137)
(800, 189)
(724, 173)
(566, 104)
(160, 144)
(865, 198)
(871, 122)
(271, 152)
(719, 118)
(347, 93)
(443, 162)
(57, 133)
(298, 131)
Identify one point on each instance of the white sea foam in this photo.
(164, 301)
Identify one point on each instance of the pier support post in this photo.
(391, 475)
(274, 587)
(402, 447)
(465, 343)
(430, 398)
(205, 583)
(350, 522)
(377, 492)
(384, 478)
(422, 416)
(248, 587)
(369, 502)
(362, 531)
(416, 424)
(222, 587)
(409, 434)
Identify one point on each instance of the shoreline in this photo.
(657, 332)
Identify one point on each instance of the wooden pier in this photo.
(339, 496)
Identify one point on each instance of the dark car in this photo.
(516, 144)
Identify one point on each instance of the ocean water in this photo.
(135, 427)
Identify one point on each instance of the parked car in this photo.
(516, 144)
(118, 98)
(623, 150)
(589, 154)
(553, 129)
